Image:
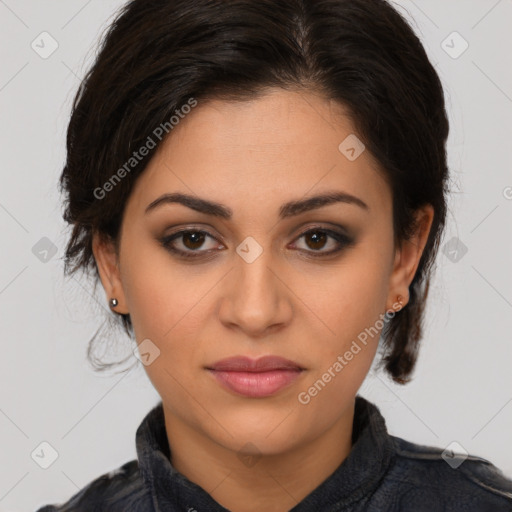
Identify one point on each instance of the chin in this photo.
(266, 434)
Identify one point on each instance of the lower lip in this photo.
(256, 384)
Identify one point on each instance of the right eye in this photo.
(189, 243)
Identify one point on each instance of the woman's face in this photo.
(259, 274)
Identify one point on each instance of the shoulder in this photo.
(457, 481)
(118, 490)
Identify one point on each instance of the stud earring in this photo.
(399, 299)
(113, 303)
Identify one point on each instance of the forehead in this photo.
(284, 145)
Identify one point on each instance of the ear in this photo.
(107, 261)
(408, 255)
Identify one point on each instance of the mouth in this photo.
(255, 378)
(262, 364)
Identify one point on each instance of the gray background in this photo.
(462, 389)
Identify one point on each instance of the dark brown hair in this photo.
(158, 54)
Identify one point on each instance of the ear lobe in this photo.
(408, 254)
(107, 261)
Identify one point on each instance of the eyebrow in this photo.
(289, 209)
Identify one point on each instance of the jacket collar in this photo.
(357, 476)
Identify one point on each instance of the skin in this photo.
(252, 157)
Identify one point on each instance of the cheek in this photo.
(169, 307)
(351, 311)
(348, 299)
(166, 308)
(350, 303)
(160, 296)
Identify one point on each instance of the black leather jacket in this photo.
(382, 473)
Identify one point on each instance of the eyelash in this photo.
(343, 241)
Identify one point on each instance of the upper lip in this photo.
(262, 364)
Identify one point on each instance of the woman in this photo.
(261, 189)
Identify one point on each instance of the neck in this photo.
(250, 482)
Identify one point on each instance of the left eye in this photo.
(317, 239)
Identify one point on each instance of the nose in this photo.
(255, 298)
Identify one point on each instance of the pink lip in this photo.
(255, 377)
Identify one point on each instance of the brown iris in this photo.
(318, 238)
